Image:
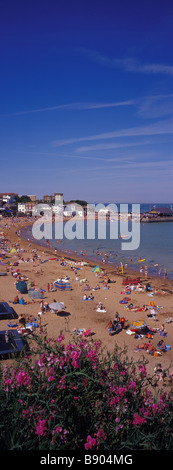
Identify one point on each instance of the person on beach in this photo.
(170, 378)
(162, 330)
(161, 345)
(110, 327)
(16, 300)
(22, 320)
(159, 372)
(122, 321)
(142, 346)
(117, 317)
(146, 272)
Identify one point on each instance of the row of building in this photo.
(13, 204)
(9, 204)
(11, 197)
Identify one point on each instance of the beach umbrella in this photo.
(21, 286)
(56, 306)
(138, 323)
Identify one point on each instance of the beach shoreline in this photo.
(80, 314)
(114, 267)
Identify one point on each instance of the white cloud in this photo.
(156, 128)
(155, 106)
(73, 106)
(110, 146)
(129, 64)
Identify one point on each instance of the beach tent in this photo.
(7, 312)
(96, 270)
(13, 250)
(61, 285)
(11, 343)
(21, 286)
(56, 306)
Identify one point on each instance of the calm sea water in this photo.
(156, 246)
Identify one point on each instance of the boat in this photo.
(123, 236)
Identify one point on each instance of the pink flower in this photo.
(121, 390)
(143, 370)
(51, 378)
(41, 428)
(132, 385)
(8, 384)
(138, 420)
(101, 435)
(60, 338)
(117, 420)
(58, 429)
(91, 442)
(23, 378)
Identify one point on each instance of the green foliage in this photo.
(23, 199)
(75, 397)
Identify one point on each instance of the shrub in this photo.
(77, 397)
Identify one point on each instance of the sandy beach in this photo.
(80, 314)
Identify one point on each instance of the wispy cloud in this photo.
(56, 156)
(160, 167)
(156, 128)
(155, 106)
(129, 64)
(73, 106)
(110, 146)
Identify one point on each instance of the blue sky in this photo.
(87, 99)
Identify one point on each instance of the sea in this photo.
(155, 248)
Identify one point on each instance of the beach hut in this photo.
(21, 286)
(96, 269)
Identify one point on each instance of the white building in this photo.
(73, 209)
(21, 207)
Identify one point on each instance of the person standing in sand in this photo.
(110, 327)
(146, 272)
